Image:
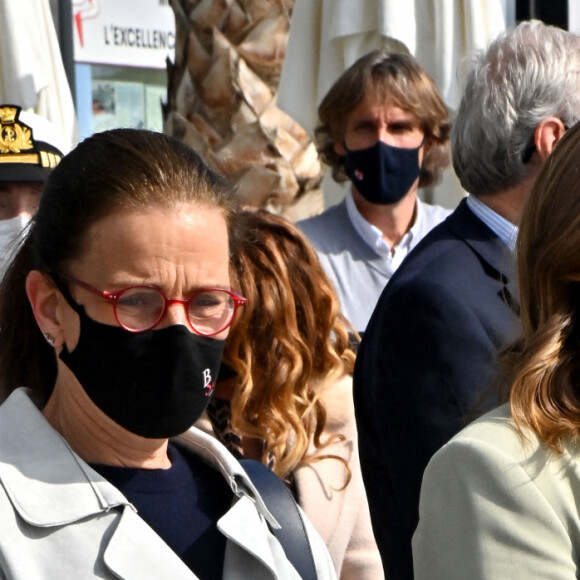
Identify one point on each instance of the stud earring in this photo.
(49, 339)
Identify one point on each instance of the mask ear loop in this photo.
(345, 147)
(78, 308)
(424, 153)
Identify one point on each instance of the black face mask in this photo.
(155, 384)
(226, 373)
(383, 174)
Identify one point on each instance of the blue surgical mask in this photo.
(383, 174)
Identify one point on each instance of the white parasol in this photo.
(32, 73)
(327, 36)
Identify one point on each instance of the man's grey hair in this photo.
(527, 74)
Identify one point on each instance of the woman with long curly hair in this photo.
(285, 394)
(501, 499)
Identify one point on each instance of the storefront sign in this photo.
(139, 33)
(573, 17)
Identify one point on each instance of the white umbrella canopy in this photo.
(32, 73)
(327, 36)
(574, 16)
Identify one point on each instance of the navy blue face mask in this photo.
(383, 174)
(155, 384)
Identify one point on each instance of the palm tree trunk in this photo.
(221, 101)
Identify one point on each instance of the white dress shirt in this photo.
(502, 228)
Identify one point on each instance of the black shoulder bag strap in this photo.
(282, 505)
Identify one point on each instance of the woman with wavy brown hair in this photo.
(501, 499)
(287, 398)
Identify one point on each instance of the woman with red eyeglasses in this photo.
(113, 318)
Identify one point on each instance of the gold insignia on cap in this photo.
(14, 137)
(49, 159)
(8, 115)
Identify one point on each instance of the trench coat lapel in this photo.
(46, 481)
(128, 554)
(242, 525)
(136, 552)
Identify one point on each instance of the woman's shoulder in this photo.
(492, 477)
(216, 454)
(494, 432)
(495, 427)
(337, 400)
(494, 444)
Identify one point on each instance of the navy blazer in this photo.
(424, 364)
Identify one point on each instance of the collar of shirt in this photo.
(373, 237)
(502, 228)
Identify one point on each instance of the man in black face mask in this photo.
(383, 127)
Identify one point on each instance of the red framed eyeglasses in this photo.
(141, 308)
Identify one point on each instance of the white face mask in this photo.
(11, 231)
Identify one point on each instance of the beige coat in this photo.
(494, 507)
(342, 518)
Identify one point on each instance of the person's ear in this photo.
(339, 148)
(43, 297)
(547, 133)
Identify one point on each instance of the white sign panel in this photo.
(139, 33)
(573, 16)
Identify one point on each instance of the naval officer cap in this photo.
(29, 145)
